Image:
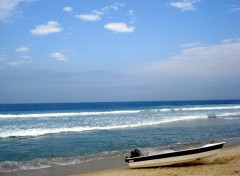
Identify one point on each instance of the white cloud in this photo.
(234, 8)
(200, 72)
(96, 15)
(119, 27)
(68, 9)
(44, 29)
(112, 7)
(22, 59)
(8, 8)
(58, 56)
(132, 16)
(192, 44)
(19, 62)
(22, 49)
(184, 5)
(89, 17)
(218, 60)
(25, 56)
(13, 63)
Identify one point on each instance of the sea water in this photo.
(34, 136)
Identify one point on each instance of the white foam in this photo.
(44, 131)
(162, 110)
(66, 114)
(208, 108)
(229, 114)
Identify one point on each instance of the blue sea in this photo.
(35, 136)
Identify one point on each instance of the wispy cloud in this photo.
(206, 70)
(120, 27)
(132, 16)
(8, 8)
(184, 5)
(234, 8)
(192, 44)
(22, 49)
(22, 57)
(112, 7)
(68, 9)
(58, 56)
(220, 60)
(45, 29)
(96, 15)
(19, 62)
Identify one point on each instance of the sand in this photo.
(227, 163)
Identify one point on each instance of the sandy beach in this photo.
(227, 163)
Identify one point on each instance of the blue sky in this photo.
(84, 51)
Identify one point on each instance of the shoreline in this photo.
(227, 163)
(116, 165)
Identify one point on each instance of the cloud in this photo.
(205, 71)
(22, 49)
(8, 8)
(25, 56)
(112, 7)
(234, 8)
(94, 16)
(13, 63)
(45, 29)
(192, 44)
(119, 27)
(132, 16)
(22, 59)
(184, 5)
(68, 9)
(17, 63)
(198, 60)
(58, 56)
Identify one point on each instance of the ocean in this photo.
(35, 136)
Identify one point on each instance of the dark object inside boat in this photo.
(136, 153)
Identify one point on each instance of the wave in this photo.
(67, 114)
(13, 166)
(41, 163)
(44, 131)
(208, 108)
(161, 110)
(197, 108)
(114, 125)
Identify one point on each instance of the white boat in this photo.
(200, 155)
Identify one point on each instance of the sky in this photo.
(119, 50)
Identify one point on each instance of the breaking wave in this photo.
(162, 110)
(129, 124)
(66, 114)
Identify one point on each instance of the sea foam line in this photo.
(70, 114)
(44, 131)
(67, 114)
(208, 108)
(196, 108)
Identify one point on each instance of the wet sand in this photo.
(227, 163)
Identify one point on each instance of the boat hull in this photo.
(201, 155)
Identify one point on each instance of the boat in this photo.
(200, 155)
